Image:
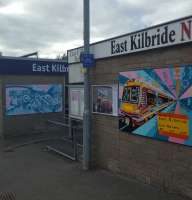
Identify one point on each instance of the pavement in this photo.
(33, 173)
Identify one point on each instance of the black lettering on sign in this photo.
(164, 36)
(118, 47)
(133, 42)
(172, 36)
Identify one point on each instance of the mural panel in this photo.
(157, 103)
(29, 99)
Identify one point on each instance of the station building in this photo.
(32, 93)
(141, 104)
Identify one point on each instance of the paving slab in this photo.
(32, 173)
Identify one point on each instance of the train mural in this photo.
(157, 103)
(140, 102)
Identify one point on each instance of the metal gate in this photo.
(70, 145)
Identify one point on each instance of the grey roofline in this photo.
(32, 59)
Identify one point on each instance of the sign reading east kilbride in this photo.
(25, 66)
(167, 34)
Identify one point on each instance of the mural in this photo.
(28, 99)
(157, 103)
(102, 99)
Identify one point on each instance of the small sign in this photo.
(173, 125)
(87, 60)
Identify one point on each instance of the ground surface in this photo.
(32, 173)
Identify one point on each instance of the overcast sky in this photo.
(53, 26)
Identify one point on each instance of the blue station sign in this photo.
(87, 60)
(26, 66)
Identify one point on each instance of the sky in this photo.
(52, 27)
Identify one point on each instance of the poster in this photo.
(29, 99)
(76, 102)
(104, 99)
(157, 103)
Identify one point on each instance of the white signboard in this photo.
(167, 34)
(76, 102)
(75, 73)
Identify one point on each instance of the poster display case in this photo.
(105, 99)
(76, 102)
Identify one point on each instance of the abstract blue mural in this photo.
(29, 99)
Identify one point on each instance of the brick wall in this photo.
(162, 164)
(30, 123)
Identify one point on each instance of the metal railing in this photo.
(69, 146)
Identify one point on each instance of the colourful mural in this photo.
(28, 99)
(157, 103)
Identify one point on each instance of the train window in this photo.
(151, 98)
(135, 94)
(162, 99)
(131, 94)
(126, 94)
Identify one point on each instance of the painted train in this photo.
(139, 103)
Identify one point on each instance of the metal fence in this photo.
(70, 145)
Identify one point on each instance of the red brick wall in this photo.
(162, 164)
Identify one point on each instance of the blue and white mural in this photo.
(29, 99)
